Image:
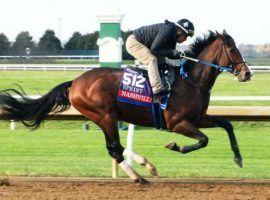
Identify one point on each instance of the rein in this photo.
(222, 68)
(184, 74)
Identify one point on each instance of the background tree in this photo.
(4, 44)
(22, 41)
(73, 42)
(89, 41)
(83, 42)
(49, 44)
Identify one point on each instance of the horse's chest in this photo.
(190, 105)
(194, 109)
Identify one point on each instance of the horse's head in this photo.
(229, 55)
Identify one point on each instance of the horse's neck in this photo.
(204, 76)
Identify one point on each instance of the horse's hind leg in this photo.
(151, 169)
(210, 122)
(186, 128)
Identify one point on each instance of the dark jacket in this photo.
(160, 38)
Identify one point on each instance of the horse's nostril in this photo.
(247, 74)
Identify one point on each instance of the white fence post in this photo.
(130, 142)
(114, 168)
(128, 148)
(12, 125)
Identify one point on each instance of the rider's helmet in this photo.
(187, 26)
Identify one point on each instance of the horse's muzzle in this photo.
(244, 76)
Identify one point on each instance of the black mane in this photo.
(197, 47)
(201, 43)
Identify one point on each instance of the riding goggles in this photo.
(188, 32)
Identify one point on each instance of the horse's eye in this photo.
(232, 50)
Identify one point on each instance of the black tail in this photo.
(31, 112)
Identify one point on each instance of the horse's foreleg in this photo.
(115, 150)
(210, 122)
(151, 169)
(108, 124)
(186, 128)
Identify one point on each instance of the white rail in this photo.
(240, 98)
(47, 67)
(84, 67)
(93, 57)
(260, 68)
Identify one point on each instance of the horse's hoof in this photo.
(151, 169)
(170, 145)
(238, 161)
(142, 181)
(4, 182)
(173, 146)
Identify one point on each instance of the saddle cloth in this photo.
(134, 88)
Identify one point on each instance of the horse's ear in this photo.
(219, 35)
(225, 32)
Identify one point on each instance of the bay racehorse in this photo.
(94, 94)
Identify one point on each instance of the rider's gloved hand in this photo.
(176, 54)
(188, 54)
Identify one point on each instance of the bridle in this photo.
(231, 63)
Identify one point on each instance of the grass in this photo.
(35, 82)
(227, 86)
(61, 150)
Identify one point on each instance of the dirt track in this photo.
(88, 188)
